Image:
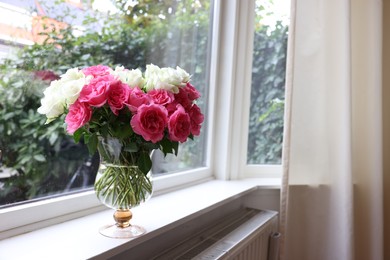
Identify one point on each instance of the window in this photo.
(213, 39)
(268, 80)
(40, 160)
(255, 75)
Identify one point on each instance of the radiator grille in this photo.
(242, 235)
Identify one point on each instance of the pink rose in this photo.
(118, 95)
(197, 119)
(192, 92)
(161, 96)
(79, 114)
(150, 122)
(96, 71)
(137, 98)
(46, 75)
(179, 125)
(183, 99)
(171, 107)
(95, 93)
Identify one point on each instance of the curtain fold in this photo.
(332, 194)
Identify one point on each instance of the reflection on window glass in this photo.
(268, 79)
(40, 40)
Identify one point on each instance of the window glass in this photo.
(40, 40)
(268, 80)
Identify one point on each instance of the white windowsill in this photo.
(79, 238)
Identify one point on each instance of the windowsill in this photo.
(79, 238)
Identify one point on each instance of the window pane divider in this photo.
(233, 87)
(242, 87)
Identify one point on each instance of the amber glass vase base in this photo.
(113, 231)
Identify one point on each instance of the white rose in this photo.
(170, 75)
(183, 74)
(163, 78)
(62, 93)
(72, 83)
(151, 76)
(72, 74)
(133, 78)
(52, 104)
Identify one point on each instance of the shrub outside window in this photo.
(39, 160)
(265, 130)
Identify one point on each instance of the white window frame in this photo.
(227, 131)
(232, 106)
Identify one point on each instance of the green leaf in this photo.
(131, 147)
(104, 130)
(78, 134)
(175, 146)
(150, 146)
(86, 56)
(39, 158)
(24, 160)
(87, 136)
(169, 146)
(121, 130)
(92, 143)
(144, 163)
(8, 116)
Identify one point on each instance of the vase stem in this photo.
(122, 217)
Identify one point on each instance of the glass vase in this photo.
(121, 185)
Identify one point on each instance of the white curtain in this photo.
(332, 196)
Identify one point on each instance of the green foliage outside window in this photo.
(44, 160)
(267, 95)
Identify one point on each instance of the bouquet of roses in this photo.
(154, 110)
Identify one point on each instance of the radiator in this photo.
(246, 234)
